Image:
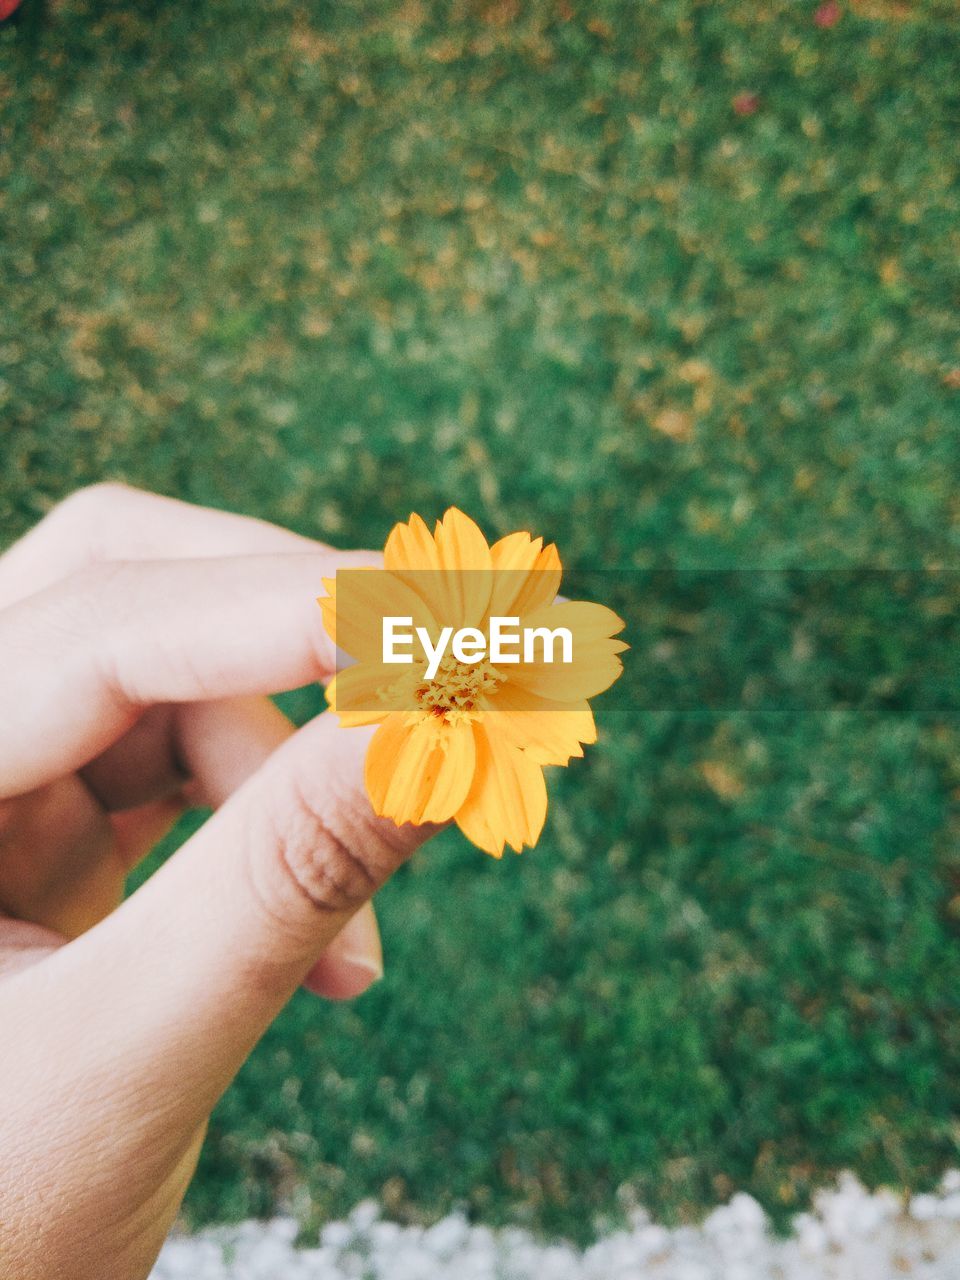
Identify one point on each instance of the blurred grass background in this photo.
(671, 283)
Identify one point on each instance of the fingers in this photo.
(58, 862)
(119, 637)
(353, 960)
(218, 745)
(111, 522)
(137, 831)
(204, 750)
(23, 944)
(65, 860)
(168, 995)
(115, 522)
(142, 767)
(140, 778)
(221, 744)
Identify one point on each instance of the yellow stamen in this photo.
(457, 692)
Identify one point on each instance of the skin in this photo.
(139, 639)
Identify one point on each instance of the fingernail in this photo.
(353, 962)
(365, 964)
(343, 977)
(359, 943)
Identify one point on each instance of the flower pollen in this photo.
(457, 692)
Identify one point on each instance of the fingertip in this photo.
(353, 962)
(338, 977)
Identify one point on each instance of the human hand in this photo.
(139, 638)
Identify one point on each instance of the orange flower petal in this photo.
(516, 553)
(595, 664)
(542, 585)
(549, 732)
(526, 575)
(449, 569)
(419, 772)
(507, 802)
(411, 546)
(454, 775)
(467, 577)
(353, 612)
(460, 543)
(367, 693)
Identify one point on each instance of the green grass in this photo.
(331, 263)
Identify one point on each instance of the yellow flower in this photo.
(467, 740)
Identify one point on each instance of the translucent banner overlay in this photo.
(699, 640)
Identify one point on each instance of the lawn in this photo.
(675, 284)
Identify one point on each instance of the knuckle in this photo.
(93, 497)
(332, 860)
(87, 509)
(94, 613)
(94, 522)
(79, 607)
(94, 592)
(97, 579)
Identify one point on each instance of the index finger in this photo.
(111, 521)
(82, 659)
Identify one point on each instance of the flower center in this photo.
(455, 695)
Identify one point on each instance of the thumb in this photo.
(165, 998)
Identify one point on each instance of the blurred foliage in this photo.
(672, 283)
